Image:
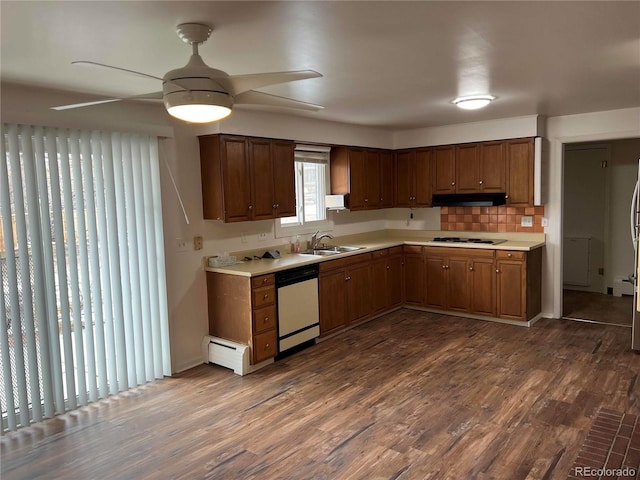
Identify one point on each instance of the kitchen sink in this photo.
(328, 250)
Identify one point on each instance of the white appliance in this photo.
(298, 309)
(635, 230)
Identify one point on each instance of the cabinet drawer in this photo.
(263, 281)
(511, 255)
(380, 253)
(263, 296)
(265, 346)
(395, 251)
(344, 262)
(264, 319)
(412, 249)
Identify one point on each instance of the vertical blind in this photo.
(83, 309)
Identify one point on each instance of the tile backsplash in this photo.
(490, 219)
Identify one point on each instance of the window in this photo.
(312, 184)
(83, 310)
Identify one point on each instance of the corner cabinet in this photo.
(246, 178)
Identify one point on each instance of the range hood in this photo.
(469, 200)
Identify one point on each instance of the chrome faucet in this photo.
(316, 237)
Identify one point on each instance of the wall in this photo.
(597, 126)
(491, 219)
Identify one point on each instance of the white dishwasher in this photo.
(298, 310)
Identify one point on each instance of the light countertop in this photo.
(374, 242)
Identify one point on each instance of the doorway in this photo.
(597, 251)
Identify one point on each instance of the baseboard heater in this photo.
(226, 354)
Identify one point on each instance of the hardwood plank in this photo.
(410, 395)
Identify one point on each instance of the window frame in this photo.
(300, 228)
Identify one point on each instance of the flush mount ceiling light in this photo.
(473, 102)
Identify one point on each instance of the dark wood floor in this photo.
(597, 307)
(411, 395)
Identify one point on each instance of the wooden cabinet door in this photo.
(236, 176)
(333, 301)
(405, 180)
(282, 155)
(358, 292)
(519, 159)
(483, 286)
(467, 168)
(435, 282)
(458, 284)
(511, 285)
(492, 167)
(372, 179)
(444, 170)
(395, 281)
(379, 291)
(357, 179)
(414, 279)
(261, 179)
(387, 179)
(422, 175)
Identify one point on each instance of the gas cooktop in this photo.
(486, 241)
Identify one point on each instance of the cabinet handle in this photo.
(481, 182)
(443, 267)
(506, 196)
(453, 183)
(509, 255)
(388, 267)
(266, 346)
(265, 280)
(250, 207)
(471, 269)
(275, 206)
(347, 278)
(497, 271)
(366, 200)
(266, 319)
(266, 295)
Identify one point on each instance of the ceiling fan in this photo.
(198, 93)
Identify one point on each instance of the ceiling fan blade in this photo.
(85, 104)
(146, 96)
(125, 70)
(243, 83)
(258, 98)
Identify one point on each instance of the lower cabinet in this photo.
(250, 303)
(356, 288)
(519, 284)
(492, 283)
(414, 276)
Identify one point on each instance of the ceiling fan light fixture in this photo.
(473, 102)
(198, 106)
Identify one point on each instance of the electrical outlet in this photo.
(243, 238)
(181, 245)
(197, 242)
(545, 222)
(262, 236)
(526, 221)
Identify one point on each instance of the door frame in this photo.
(607, 201)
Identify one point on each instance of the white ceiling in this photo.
(387, 64)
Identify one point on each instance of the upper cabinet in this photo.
(245, 178)
(519, 160)
(365, 174)
(444, 169)
(413, 177)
